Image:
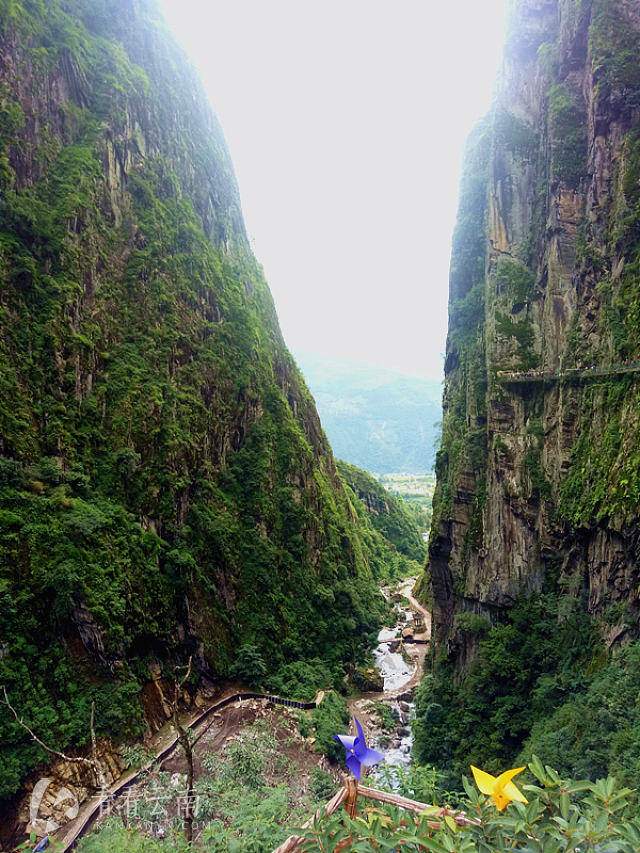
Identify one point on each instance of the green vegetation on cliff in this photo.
(568, 127)
(463, 444)
(393, 517)
(391, 556)
(540, 683)
(525, 665)
(614, 52)
(166, 487)
(533, 549)
(604, 476)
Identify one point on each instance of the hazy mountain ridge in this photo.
(376, 419)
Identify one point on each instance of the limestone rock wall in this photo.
(539, 481)
(167, 490)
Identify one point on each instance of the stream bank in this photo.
(400, 660)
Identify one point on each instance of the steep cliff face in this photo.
(166, 486)
(539, 482)
(390, 516)
(533, 557)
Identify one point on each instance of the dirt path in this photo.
(166, 736)
(156, 744)
(200, 721)
(426, 615)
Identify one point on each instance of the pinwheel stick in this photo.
(351, 802)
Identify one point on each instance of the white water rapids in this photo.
(396, 672)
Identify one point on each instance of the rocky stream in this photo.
(399, 659)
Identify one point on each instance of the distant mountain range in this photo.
(376, 419)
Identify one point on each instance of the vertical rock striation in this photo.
(539, 483)
(166, 487)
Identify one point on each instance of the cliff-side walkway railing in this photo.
(105, 799)
(575, 374)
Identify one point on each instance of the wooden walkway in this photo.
(97, 805)
(578, 374)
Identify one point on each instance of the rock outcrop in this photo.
(539, 482)
(167, 491)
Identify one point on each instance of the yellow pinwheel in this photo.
(501, 788)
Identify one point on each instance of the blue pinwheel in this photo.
(358, 753)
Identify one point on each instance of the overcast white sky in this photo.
(346, 121)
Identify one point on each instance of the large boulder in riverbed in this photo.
(407, 696)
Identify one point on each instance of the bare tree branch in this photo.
(92, 762)
(34, 736)
(184, 680)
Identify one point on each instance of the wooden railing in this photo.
(348, 795)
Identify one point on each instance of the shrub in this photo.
(322, 784)
(329, 719)
(246, 764)
(249, 667)
(301, 679)
(568, 128)
(561, 815)
(475, 623)
(386, 720)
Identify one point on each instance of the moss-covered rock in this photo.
(166, 487)
(538, 486)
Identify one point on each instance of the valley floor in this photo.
(304, 775)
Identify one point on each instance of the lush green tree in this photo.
(523, 668)
(249, 666)
(330, 718)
